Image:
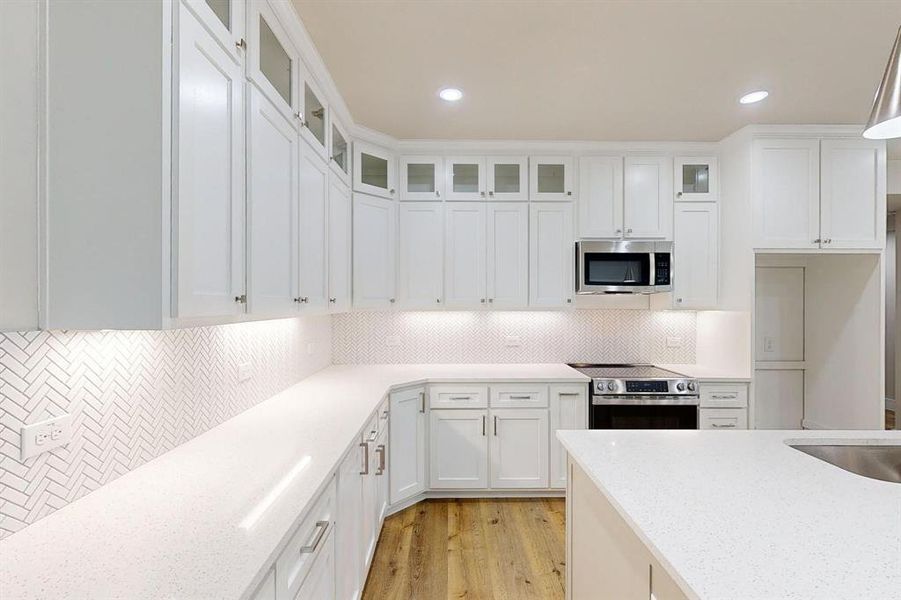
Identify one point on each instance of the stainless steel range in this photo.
(627, 396)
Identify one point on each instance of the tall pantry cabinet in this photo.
(193, 213)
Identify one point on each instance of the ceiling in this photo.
(601, 70)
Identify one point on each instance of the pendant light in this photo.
(885, 120)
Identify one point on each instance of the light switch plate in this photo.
(769, 344)
(45, 435)
(245, 371)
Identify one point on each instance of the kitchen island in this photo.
(717, 515)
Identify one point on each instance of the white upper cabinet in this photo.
(601, 197)
(272, 187)
(225, 20)
(852, 193)
(316, 119)
(550, 178)
(507, 255)
(648, 200)
(374, 223)
(507, 178)
(374, 170)
(421, 255)
(785, 192)
(696, 178)
(551, 248)
(339, 157)
(696, 242)
(464, 255)
(407, 446)
(210, 208)
(339, 236)
(519, 448)
(313, 259)
(458, 448)
(421, 178)
(465, 178)
(273, 63)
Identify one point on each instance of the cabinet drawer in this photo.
(382, 418)
(724, 395)
(519, 395)
(723, 418)
(458, 396)
(305, 545)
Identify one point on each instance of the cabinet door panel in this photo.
(273, 63)
(316, 117)
(648, 201)
(852, 201)
(464, 257)
(551, 250)
(569, 410)
(373, 251)
(508, 255)
(339, 259)
(458, 449)
(421, 178)
(349, 527)
(374, 170)
(210, 199)
(320, 582)
(313, 242)
(272, 194)
(785, 193)
(550, 178)
(407, 449)
(601, 197)
(697, 262)
(519, 448)
(507, 178)
(421, 255)
(465, 178)
(224, 19)
(696, 178)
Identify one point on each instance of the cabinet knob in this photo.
(569, 193)
(679, 300)
(332, 300)
(391, 191)
(817, 241)
(242, 299)
(678, 194)
(490, 300)
(827, 241)
(302, 300)
(482, 194)
(438, 300)
(629, 230)
(619, 231)
(391, 300)
(483, 301)
(437, 193)
(491, 193)
(241, 44)
(569, 300)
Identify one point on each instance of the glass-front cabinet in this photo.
(340, 153)
(315, 118)
(421, 178)
(507, 177)
(374, 170)
(465, 177)
(224, 19)
(695, 178)
(273, 63)
(550, 178)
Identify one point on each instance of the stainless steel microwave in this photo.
(623, 267)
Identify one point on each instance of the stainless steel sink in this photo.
(875, 461)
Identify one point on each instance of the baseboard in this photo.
(466, 494)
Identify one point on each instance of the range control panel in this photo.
(651, 387)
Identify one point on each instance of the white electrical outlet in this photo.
(673, 342)
(245, 371)
(45, 435)
(512, 341)
(769, 344)
(392, 340)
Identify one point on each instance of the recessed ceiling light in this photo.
(450, 94)
(753, 97)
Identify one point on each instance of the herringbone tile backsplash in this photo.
(540, 336)
(133, 395)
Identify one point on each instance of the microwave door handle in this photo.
(652, 271)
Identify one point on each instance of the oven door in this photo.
(615, 267)
(643, 416)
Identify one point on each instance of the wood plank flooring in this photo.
(475, 548)
(889, 419)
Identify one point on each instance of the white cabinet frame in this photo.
(493, 194)
(437, 164)
(852, 194)
(476, 195)
(712, 179)
(566, 194)
(255, 10)
(601, 197)
(389, 191)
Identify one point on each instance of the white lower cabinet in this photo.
(369, 509)
(458, 449)
(349, 532)
(320, 582)
(723, 406)
(309, 555)
(569, 410)
(518, 448)
(407, 454)
(723, 418)
(266, 591)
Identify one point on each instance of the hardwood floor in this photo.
(889, 419)
(480, 548)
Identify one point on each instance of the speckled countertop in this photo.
(741, 515)
(172, 527)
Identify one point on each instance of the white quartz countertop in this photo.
(172, 528)
(741, 515)
(709, 373)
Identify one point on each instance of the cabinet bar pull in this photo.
(568, 394)
(483, 425)
(520, 397)
(495, 425)
(718, 426)
(365, 446)
(724, 396)
(322, 526)
(381, 450)
(422, 402)
(461, 397)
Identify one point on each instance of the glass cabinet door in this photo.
(507, 177)
(224, 20)
(421, 178)
(273, 63)
(374, 170)
(315, 118)
(340, 155)
(551, 178)
(465, 177)
(695, 178)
